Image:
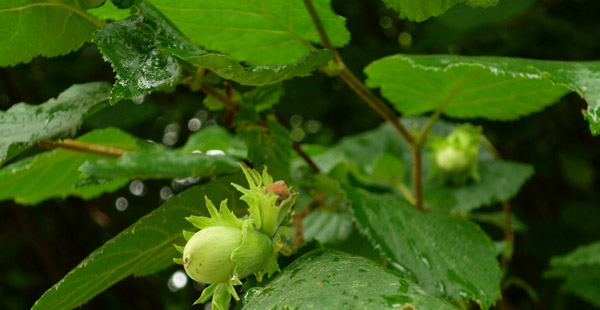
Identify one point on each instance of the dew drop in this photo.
(166, 193)
(177, 281)
(137, 188)
(121, 204)
(215, 153)
(194, 124)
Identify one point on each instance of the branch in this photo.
(83, 147)
(417, 177)
(509, 236)
(353, 82)
(233, 107)
(227, 102)
(311, 164)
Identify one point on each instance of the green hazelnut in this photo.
(452, 160)
(207, 255)
(227, 248)
(454, 157)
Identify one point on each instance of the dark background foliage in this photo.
(560, 204)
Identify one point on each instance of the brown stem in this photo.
(83, 147)
(375, 103)
(509, 236)
(311, 164)
(299, 216)
(232, 106)
(353, 82)
(416, 177)
(227, 102)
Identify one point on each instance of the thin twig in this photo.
(375, 103)
(416, 177)
(311, 164)
(509, 236)
(83, 147)
(353, 82)
(427, 127)
(232, 106)
(227, 102)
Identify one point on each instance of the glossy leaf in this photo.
(30, 28)
(420, 10)
(270, 32)
(160, 165)
(142, 249)
(135, 47)
(581, 271)
(499, 180)
(230, 69)
(326, 279)
(491, 87)
(23, 125)
(448, 257)
(54, 173)
(146, 48)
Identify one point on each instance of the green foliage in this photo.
(326, 279)
(421, 10)
(375, 193)
(135, 47)
(491, 87)
(48, 28)
(201, 156)
(145, 50)
(54, 173)
(581, 271)
(23, 124)
(448, 257)
(142, 249)
(159, 165)
(270, 146)
(499, 180)
(230, 69)
(269, 32)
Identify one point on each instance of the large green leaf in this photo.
(326, 279)
(146, 48)
(268, 32)
(142, 249)
(29, 28)
(420, 10)
(581, 271)
(23, 125)
(491, 87)
(54, 173)
(499, 180)
(448, 257)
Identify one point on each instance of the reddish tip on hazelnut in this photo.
(280, 189)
